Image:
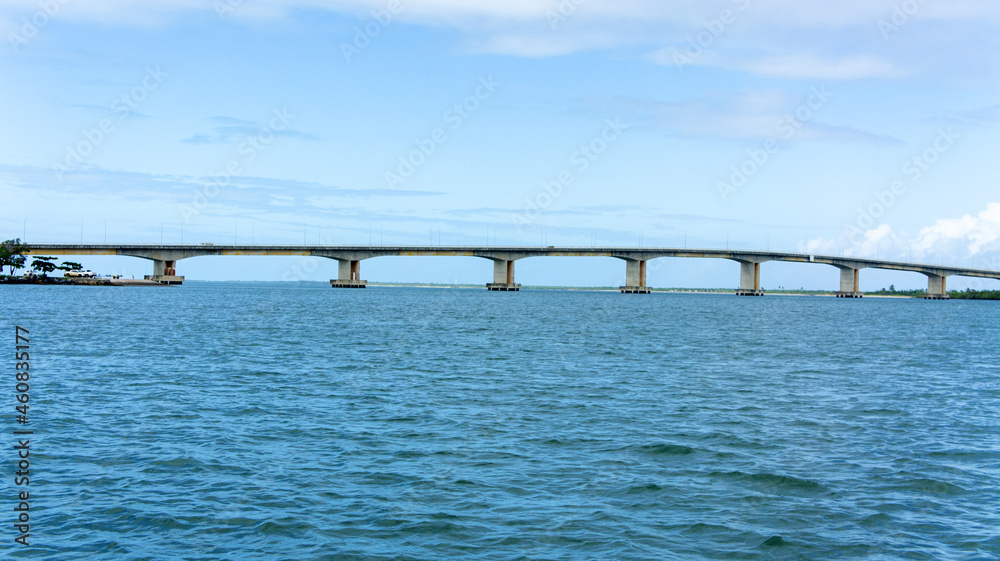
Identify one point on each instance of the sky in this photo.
(856, 127)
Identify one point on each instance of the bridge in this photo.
(165, 258)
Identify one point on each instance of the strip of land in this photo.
(78, 281)
(884, 293)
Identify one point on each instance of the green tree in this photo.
(43, 264)
(16, 262)
(70, 266)
(11, 254)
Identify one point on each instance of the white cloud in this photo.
(829, 14)
(955, 240)
(808, 66)
(744, 114)
(814, 67)
(975, 234)
(525, 27)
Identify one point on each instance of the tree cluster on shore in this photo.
(891, 291)
(967, 294)
(12, 257)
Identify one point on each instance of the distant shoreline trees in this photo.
(967, 294)
(70, 266)
(12, 255)
(44, 264)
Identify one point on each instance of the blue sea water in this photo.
(295, 421)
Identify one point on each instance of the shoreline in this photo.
(62, 281)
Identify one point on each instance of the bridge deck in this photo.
(356, 252)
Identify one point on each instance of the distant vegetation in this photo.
(968, 294)
(891, 291)
(44, 265)
(12, 258)
(12, 255)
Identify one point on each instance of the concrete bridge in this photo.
(165, 257)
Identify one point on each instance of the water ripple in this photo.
(299, 422)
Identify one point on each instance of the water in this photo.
(246, 421)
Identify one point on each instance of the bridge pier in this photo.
(164, 272)
(165, 257)
(348, 274)
(937, 287)
(849, 277)
(503, 276)
(749, 279)
(635, 277)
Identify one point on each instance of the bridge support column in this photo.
(849, 278)
(749, 279)
(164, 272)
(937, 287)
(348, 274)
(635, 277)
(503, 276)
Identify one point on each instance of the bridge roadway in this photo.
(165, 257)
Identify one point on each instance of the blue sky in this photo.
(857, 127)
